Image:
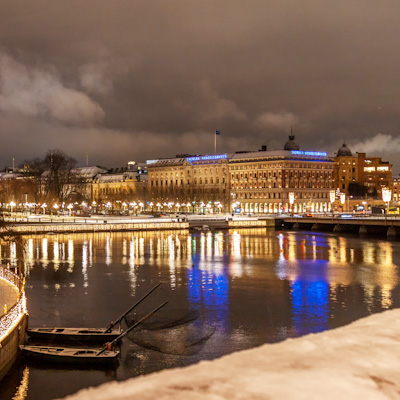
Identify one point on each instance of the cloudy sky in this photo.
(132, 80)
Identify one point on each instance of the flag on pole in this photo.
(217, 132)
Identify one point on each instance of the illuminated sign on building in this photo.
(382, 168)
(148, 162)
(207, 158)
(309, 153)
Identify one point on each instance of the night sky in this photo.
(134, 80)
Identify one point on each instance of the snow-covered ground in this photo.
(358, 361)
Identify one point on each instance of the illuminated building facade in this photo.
(374, 173)
(371, 172)
(246, 182)
(346, 169)
(396, 189)
(261, 181)
(80, 188)
(189, 183)
(124, 184)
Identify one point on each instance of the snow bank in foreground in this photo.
(361, 360)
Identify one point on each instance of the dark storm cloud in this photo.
(133, 79)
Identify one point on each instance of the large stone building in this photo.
(371, 172)
(282, 180)
(346, 169)
(374, 173)
(396, 189)
(190, 183)
(251, 182)
(120, 185)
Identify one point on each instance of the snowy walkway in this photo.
(8, 295)
(359, 361)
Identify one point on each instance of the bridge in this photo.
(354, 223)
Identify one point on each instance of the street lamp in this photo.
(386, 196)
(55, 206)
(44, 205)
(69, 206)
(332, 197)
(342, 200)
(291, 201)
(12, 205)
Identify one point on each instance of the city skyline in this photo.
(135, 81)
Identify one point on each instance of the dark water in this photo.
(252, 287)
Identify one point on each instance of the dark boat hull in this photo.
(61, 355)
(77, 335)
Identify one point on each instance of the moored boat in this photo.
(68, 355)
(84, 335)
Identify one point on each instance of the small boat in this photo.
(85, 335)
(68, 355)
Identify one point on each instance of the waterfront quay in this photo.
(350, 223)
(52, 224)
(13, 319)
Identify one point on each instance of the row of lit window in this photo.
(196, 181)
(280, 195)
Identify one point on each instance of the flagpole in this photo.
(215, 144)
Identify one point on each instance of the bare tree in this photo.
(54, 175)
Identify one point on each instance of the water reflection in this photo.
(22, 389)
(316, 266)
(257, 286)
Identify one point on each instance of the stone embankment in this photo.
(47, 224)
(13, 319)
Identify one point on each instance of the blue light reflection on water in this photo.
(309, 288)
(310, 297)
(208, 288)
(211, 290)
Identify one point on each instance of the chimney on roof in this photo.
(263, 148)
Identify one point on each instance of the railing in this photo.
(10, 276)
(14, 315)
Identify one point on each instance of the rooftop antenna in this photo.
(13, 163)
(87, 159)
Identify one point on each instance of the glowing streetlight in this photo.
(44, 205)
(291, 201)
(342, 200)
(12, 205)
(386, 196)
(69, 206)
(332, 198)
